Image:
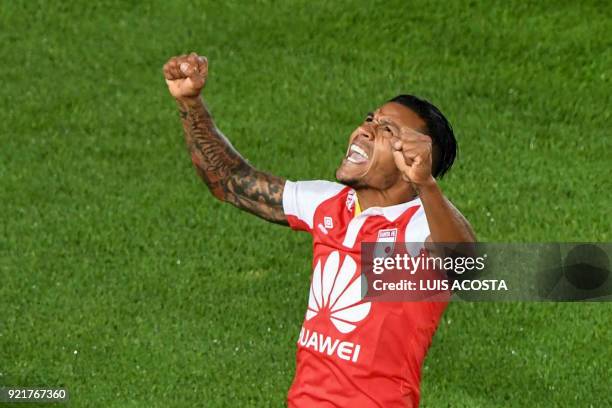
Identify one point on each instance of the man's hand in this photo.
(412, 152)
(186, 75)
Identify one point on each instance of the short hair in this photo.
(437, 127)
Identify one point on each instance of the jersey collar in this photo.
(392, 212)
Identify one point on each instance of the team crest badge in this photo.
(385, 242)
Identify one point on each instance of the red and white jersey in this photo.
(350, 352)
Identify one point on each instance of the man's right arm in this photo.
(227, 174)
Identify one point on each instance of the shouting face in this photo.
(368, 162)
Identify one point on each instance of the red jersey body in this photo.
(350, 352)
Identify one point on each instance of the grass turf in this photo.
(124, 281)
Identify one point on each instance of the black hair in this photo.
(437, 127)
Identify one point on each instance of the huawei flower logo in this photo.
(332, 290)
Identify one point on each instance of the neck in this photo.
(369, 197)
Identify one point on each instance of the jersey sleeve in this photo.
(417, 232)
(301, 199)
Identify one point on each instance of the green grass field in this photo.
(124, 281)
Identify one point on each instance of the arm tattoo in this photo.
(227, 174)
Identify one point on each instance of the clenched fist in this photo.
(186, 75)
(412, 152)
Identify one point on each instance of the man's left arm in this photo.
(412, 152)
(446, 223)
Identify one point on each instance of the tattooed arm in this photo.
(228, 175)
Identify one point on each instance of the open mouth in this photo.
(357, 154)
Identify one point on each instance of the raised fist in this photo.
(186, 75)
(412, 152)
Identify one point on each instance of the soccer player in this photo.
(350, 352)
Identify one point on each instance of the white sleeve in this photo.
(301, 199)
(417, 232)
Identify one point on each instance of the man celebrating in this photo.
(351, 353)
